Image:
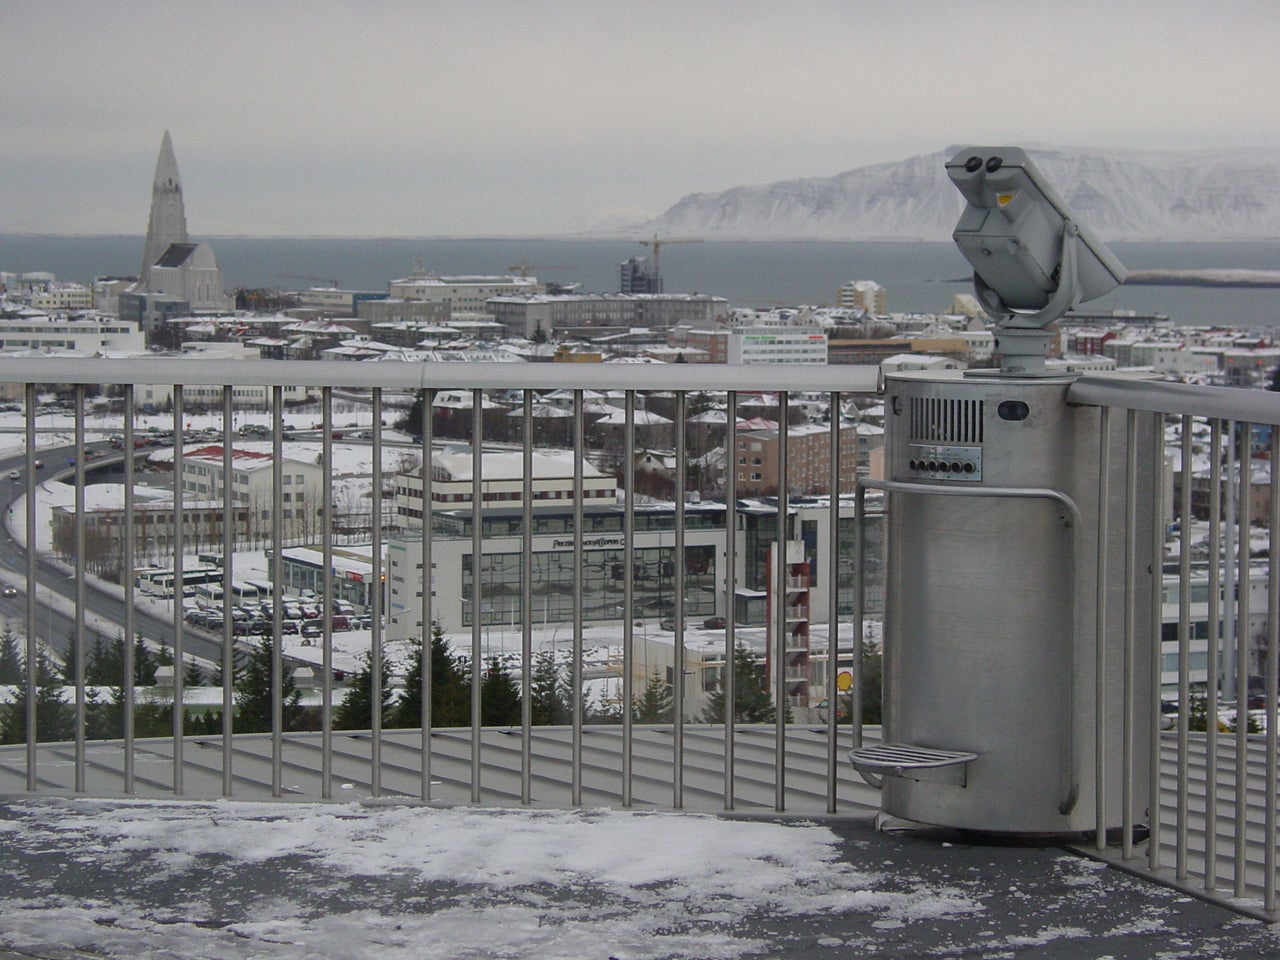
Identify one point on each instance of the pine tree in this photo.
(253, 694)
(144, 663)
(549, 703)
(450, 688)
(10, 658)
(55, 719)
(655, 704)
(872, 691)
(753, 703)
(104, 665)
(194, 675)
(499, 697)
(356, 710)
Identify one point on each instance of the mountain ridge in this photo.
(1213, 194)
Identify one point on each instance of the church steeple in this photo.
(168, 221)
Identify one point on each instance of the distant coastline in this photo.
(1204, 278)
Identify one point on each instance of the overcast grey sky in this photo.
(483, 118)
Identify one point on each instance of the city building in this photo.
(800, 344)
(592, 314)
(637, 275)
(867, 294)
(502, 484)
(85, 334)
(63, 296)
(463, 294)
(251, 492)
(808, 460)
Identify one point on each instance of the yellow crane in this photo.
(655, 243)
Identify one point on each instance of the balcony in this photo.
(1213, 833)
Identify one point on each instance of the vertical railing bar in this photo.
(526, 600)
(1271, 671)
(1214, 657)
(428, 582)
(730, 685)
(78, 625)
(1184, 654)
(31, 680)
(1155, 625)
(579, 452)
(859, 613)
(327, 597)
(277, 591)
(1130, 629)
(1100, 655)
(477, 569)
(629, 599)
(128, 687)
(833, 599)
(228, 550)
(1243, 583)
(179, 587)
(377, 587)
(678, 674)
(780, 615)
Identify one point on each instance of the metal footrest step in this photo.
(910, 761)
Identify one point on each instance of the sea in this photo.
(918, 276)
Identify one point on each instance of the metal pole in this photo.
(833, 599)
(780, 617)
(179, 588)
(228, 550)
(79, 626)
(678, 674)
(477, 570)
(376, 588)
(730, 686)
(327, 597)
(127, 680)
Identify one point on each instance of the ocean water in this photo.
(918, 276)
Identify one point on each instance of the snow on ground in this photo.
(357, 881)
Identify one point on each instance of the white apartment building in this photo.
(251, 489)
(63, 295)
(502, 483)
(751, 345)
(87, 335)
(465, 294)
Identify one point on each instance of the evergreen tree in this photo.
(549, 702)
(655, 704)
(499, 697)
(450, 689)
(753, 703)
(55, 719)
(104, 665)
(253, 694)
(356, 710)
(103, 715)
(144, 663)
(194, 675)
(872, 690)
(10, 658)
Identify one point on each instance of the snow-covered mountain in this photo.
(1205, 195)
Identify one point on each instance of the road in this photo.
(52, 625)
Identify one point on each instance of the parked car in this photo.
(715, 623)
(312, 628)
(667, 624)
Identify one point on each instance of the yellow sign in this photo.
(844, 681)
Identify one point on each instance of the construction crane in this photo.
(656, 243)
(302, 276)
(524, 266)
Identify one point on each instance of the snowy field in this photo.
(160, 880)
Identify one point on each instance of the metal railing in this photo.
(1211, 813)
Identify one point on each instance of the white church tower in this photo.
(168, 222)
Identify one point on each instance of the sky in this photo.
(429, 118)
